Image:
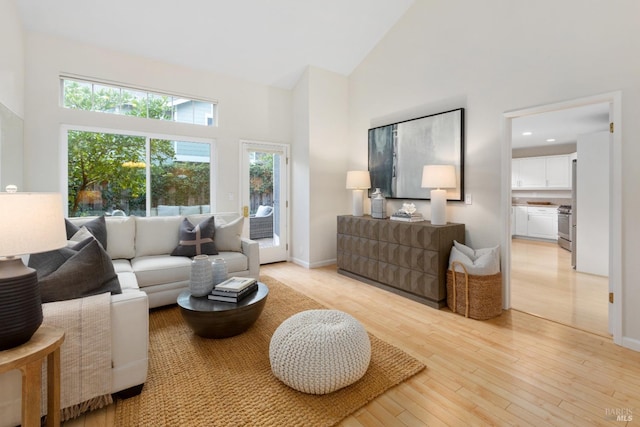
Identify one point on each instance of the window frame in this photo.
(64, 154)
(150, 92)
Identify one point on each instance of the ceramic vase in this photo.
(201, 280)
(219, 267)
(378, 205)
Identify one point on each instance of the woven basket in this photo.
(478, 297)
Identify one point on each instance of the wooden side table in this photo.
(28, 357)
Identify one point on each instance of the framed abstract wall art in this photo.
(399, 151)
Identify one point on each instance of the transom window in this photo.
(88, 95)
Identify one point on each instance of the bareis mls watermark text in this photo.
(619, 414)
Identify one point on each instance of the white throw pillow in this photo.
(484, 265)
(198, 218)
(121, 234)
(264, 211)
(474, 254)
(227, 236)
(157, 235)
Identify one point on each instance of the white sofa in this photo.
(140, 248)
(150, 277)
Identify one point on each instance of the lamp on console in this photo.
(29, 223)
(358, 181)
(438, 177)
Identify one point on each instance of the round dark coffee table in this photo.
(214, 319)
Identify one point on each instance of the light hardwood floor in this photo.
(543, 283)
(516, 369)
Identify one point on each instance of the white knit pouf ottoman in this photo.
(319, 351)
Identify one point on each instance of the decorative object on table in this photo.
(409, 208)
(474, 282)
(378, 205)
(235, 284)
(320, 351)
(398, 151)
(407, 213)
(358, 181)
(29, 223)
(201, 279)
(234, 296)
(438, 177)
(219, 267)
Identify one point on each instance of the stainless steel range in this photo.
(565, 234)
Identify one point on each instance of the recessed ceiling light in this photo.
(551, 140)
(527, 133)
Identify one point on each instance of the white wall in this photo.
(319, 165)
(592, 255)
(11, 58)
(246, 110)
(496, 56)
(11, 95)
(328, 161)
(300, 180)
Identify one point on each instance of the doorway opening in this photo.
(546, 280)
(265, 197)
(515, 256)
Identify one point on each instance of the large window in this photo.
(120, 174)
(87, 95)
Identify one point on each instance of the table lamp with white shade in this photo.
(358, 181)
(29, 223)
(438, 177)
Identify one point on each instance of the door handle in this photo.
(245, 211)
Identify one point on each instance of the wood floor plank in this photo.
(544, 283)
(389, 405)
(377, 415)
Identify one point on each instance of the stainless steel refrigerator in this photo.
(574, 211)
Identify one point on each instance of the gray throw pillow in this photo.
(86, 270)
(196, 240)
(46, 263)
(97, 227)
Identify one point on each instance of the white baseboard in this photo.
(323, 263)
(631, 343)
(300, 262)
(317, 264)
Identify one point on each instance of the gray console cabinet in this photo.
(410, 259)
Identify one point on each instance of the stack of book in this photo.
(234, 289)
(407, 217)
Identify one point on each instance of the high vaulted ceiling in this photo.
(265, 41)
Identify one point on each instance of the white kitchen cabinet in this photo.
(542, 222)
(538, 222)
(521, 220)
(531, 172)
(558, 171)
(513, 221)
(540, 173)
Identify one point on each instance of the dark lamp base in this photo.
(20, 304)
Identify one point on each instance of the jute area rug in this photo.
(196, 381)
